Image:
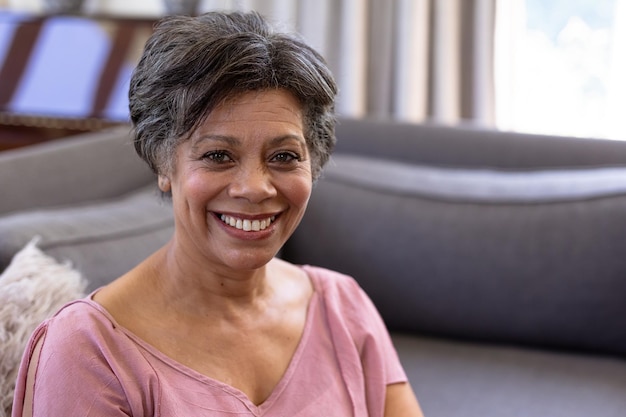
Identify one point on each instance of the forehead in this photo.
(270, 106)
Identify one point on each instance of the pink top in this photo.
(90, 366)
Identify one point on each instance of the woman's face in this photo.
(241, 183)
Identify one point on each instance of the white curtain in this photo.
(412, 60)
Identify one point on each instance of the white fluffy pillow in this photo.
(32, 288)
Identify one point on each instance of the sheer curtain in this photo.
(412, 60)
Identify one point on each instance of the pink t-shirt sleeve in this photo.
(355, 322)
(71, 365)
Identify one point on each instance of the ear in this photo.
(164, 183)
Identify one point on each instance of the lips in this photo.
(247, 225)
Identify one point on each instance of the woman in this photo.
(237, 121)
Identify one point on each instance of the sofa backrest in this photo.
(473, 147)
(90, 200)
(530, 256)
(69, 171)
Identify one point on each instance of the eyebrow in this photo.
(280, 139)
(233, 141)
(230, 140)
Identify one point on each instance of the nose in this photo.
(252, 182)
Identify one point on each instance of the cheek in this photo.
(195, 185)
(299, 191)
(193, 188)
(302, 186)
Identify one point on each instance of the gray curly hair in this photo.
(192, 64)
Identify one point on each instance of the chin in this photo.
(248, 261)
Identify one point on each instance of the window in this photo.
(560, 67)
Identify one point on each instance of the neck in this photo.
(201, 287)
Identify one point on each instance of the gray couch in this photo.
(496, 259)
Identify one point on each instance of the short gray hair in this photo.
(192, 64)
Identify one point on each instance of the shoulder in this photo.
(325, 279)
(354, 321)
(77, 317)
(83, 341)
(74, 354)
(334, 284)
(81, 330)
(345, 300)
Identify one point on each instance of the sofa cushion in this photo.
(470, 379)
(32, 288)
(103, 239)
(513, 257)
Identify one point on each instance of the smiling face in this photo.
(241, 183)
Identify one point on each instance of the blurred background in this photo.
(536, 66)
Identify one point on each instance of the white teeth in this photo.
(246, 224)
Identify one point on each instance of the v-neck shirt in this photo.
(91, 366)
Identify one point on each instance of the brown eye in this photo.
(219, 157)
(285, 157)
